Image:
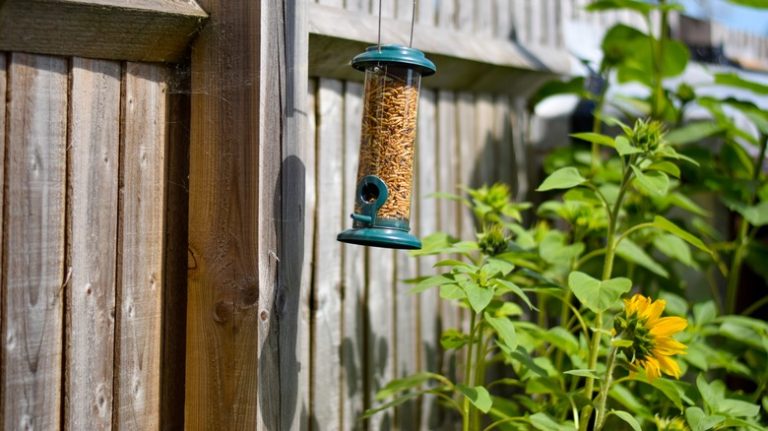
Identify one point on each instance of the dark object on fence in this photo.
(385, 174)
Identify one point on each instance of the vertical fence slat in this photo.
(142, 240)
(295, 196)
(380, 350)
(34, 242)
(403, 9)
(93, 170)
(3, 97)
(449, 180)
(503, 18)
(503, 133)
(466, 129)
(335, 3)
(326, 401)
(485, 142)
(446, 14)
(221, 387)
(465, 15)
(304, 407)
(425, 13)
(484, 21)
(429, 301)
(521, 18)
(353, 362)
(388, 9)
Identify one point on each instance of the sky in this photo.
(742, 18)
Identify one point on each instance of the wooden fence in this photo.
(84, 293)
(113, 314)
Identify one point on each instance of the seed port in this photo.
(370, 193)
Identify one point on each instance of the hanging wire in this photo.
(413, 20)
(379, 43)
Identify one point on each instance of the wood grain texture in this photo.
(33, 249)
(296, 198)
(427, 221)
(465, 103)
(327, 335)
(502, 131)
(142, 240)
(426, 13)
(222, 314)
(475, 62)
(484, 19)
(353, 344)
(380, 343)
(144, 30)
(446, 14)
(502, 15)
(465, 16)
(485, 142)
(3, 97)
(94, 137)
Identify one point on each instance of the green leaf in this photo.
(603, 5)
(682, 201)
(666, 225)
(699, 421)
(595, 138)
(430, 282)
(670, 390)
(478, 395)
(478, 297)
(628, 418)
(453, 339)
(757, 4)
(562, 339)
(666, 167)
(624, 148)
(542, 422)
(756, 215)
(557, 87)
(584, 373)
(631, 252)
(693, 132)
(738, 408)
(674, 248)
(452, 292)
(627, 398)
(394, 403)
(653, 183)
(712, 394)
(734, 80)
(404, 384)
(498, 266)
(704, 312)
(563, 178)
(512, 287)
(505, 330)
(595, 294)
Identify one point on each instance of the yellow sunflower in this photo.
(651, 335)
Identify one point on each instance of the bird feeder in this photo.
(385, 173)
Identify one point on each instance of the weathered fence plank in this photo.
(466, 129)
(291, 314)
(93, 178)
(429, 301)
(465, 16)
(140, 293)
(380, 346)
(353, 344)
(485, 144)
(326, 361)
(34, 278)
(222, 315)
(446, 14)
(3, 97)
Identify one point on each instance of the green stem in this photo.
(606, 387)
(468, 372)
(742, 238)
(597, 122)
(479, 369)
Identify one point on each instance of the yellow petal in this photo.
(653, 311)
(669, 346)
(652, 369)
(667, 326)
(669, 366)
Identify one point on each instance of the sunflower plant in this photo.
(575, 310)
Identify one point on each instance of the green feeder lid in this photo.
(380, 237)
(395, 54)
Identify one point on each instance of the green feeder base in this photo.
(380, 237)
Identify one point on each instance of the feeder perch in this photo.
(385, 174)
